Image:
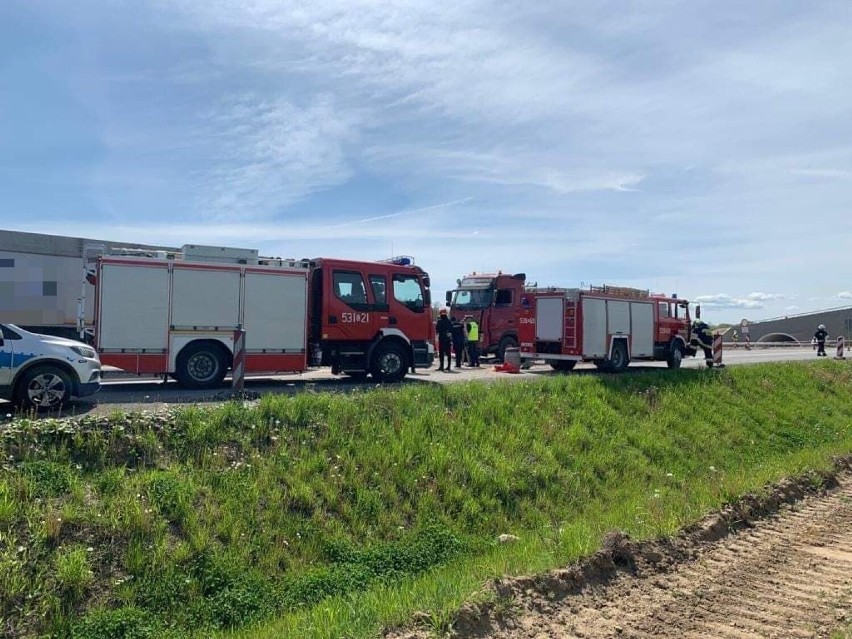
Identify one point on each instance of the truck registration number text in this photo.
(355, 318)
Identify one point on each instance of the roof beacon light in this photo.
(400, 260)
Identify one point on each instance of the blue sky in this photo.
(697, 147)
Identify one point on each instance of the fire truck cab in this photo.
(177, 314)
(493, 300)
(607, 325)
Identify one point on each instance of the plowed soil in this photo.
(772, 566)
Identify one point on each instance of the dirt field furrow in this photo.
(787, 573)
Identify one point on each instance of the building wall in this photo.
(801, 327)
(41, 279)
(40, 290)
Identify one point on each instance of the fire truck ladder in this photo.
(570, 337)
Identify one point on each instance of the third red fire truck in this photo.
(608, 325)
(177, 314)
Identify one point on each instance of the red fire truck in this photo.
(608, 325)
(176, 314)
(493, 300)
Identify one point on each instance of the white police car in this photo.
(42, 372)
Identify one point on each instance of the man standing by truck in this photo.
(472, 340)
(444, 329)
(458, 341)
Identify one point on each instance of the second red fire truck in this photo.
(608, 325)
(493, 300)
(176, 314)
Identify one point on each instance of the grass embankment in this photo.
(335, 515)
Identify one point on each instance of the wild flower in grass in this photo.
(712, 469)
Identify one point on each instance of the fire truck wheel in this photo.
(389, 363)
(675, 357)
(506, 342)
(43, 388)
(201, 365)
(563, 365)
(618, 360)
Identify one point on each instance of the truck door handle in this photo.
(392, 320)
(332, 319)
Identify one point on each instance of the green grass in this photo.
(337, 515)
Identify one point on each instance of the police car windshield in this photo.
(472, 299)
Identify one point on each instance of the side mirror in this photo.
(449, 297)
(698, 311)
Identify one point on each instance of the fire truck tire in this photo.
(675, 357)
(390, 363)
(563, 365)
(43, 388)
(201, 365)
(619, 359)
(506, 342)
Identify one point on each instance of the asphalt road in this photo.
(120, 392)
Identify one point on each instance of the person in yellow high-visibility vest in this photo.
(472, 340)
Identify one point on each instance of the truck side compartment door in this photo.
(595, 344)
(642, 329)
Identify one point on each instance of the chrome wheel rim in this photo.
(47, 390)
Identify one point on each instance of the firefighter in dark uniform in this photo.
(820, 336)
(444, 328)
(702, 336)
(458, 341)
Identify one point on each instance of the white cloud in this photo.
(764, 297)
(270, 154)
(844, 295)
(754, 300)
(722, 300)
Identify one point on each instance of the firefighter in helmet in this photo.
(820, 336)
(702, 337)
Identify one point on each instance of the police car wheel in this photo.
(43, 388)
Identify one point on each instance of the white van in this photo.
(42, 372)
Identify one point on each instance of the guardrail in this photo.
(828, 343)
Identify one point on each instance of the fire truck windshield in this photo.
(472, 299)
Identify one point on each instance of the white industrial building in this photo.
(42, 279)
